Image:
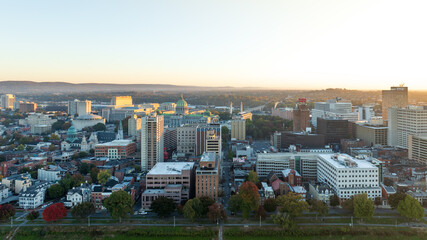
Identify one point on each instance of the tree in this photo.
(410, 208)
(250, 198)
(94, 174)
(319, 207)
(217, 212)
(394, 199)
(193, 209)
(55, 191)
(261, 213)
(83, 154)
(33, 215)
(6, 211)
(103, 177)
(54, 137)
(363, 206)
(292, 204)
(83, 210)
(348, 204)
(77, 179)
(206, 203)
(334, 200)
(54, 212)
(66, 182)
(99, 127)
(234, 203)
(20, 147)
(270, 204)
(119, 204)
(253, 177)
(163, 206)
(52, 147)
(85, 168)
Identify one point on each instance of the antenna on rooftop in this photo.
(402, 85)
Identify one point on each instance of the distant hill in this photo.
(63, 87)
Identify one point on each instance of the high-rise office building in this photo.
(207, 176)
(152, 142)
(213, 142)
(122, 101)
(186, 139)
(238, 129)
(7, 101)
(395, 97)
(25, 107)
(333, 108)
(403, 122)
(134, 125)
(333, 129)
(202, 134)
(301, 116)
(80, 108)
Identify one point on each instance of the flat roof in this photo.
(123, 142)
(170, 168)
(339, 160)
(208, 157)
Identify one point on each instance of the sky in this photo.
(278, 44)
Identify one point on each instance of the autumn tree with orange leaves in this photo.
(248, 192)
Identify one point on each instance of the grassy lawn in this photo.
(344, 237)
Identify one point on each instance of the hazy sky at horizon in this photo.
(275, 44)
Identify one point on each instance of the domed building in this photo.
(88, 120)
(72, 142)
(182, 107)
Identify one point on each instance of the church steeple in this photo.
(120, 132)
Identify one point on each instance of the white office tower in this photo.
(333, 108)
(134, 125)
(366, 113)
(152, 132)
(7, 101)
(80, 108)
(403, 122)
(348, 176)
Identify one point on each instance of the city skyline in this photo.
(280, 45)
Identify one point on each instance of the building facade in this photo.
(417, 148)
(301, 116)
(403, 122)
(117, 149)
(395, 97)
(152, 141)
(207, 176)
(238, 129)
(348, 176)
(186, 139)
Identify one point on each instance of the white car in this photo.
(143, 213)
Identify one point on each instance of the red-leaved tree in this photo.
(6, 211)
(54, 212)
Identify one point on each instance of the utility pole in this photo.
(88, 221)
(174, 221)
(260, 221)
(351, 221)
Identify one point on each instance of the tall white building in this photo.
(348, 176)
(186, 139)
(7, 101)
(335, 109)
(134, 125)
(79, 107)
(152, 142)
(403, 122)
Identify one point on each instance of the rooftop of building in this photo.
(345, 161)
(287, 171)
(170, 168)
(123, 142)
(208, 157)
(88, 117)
